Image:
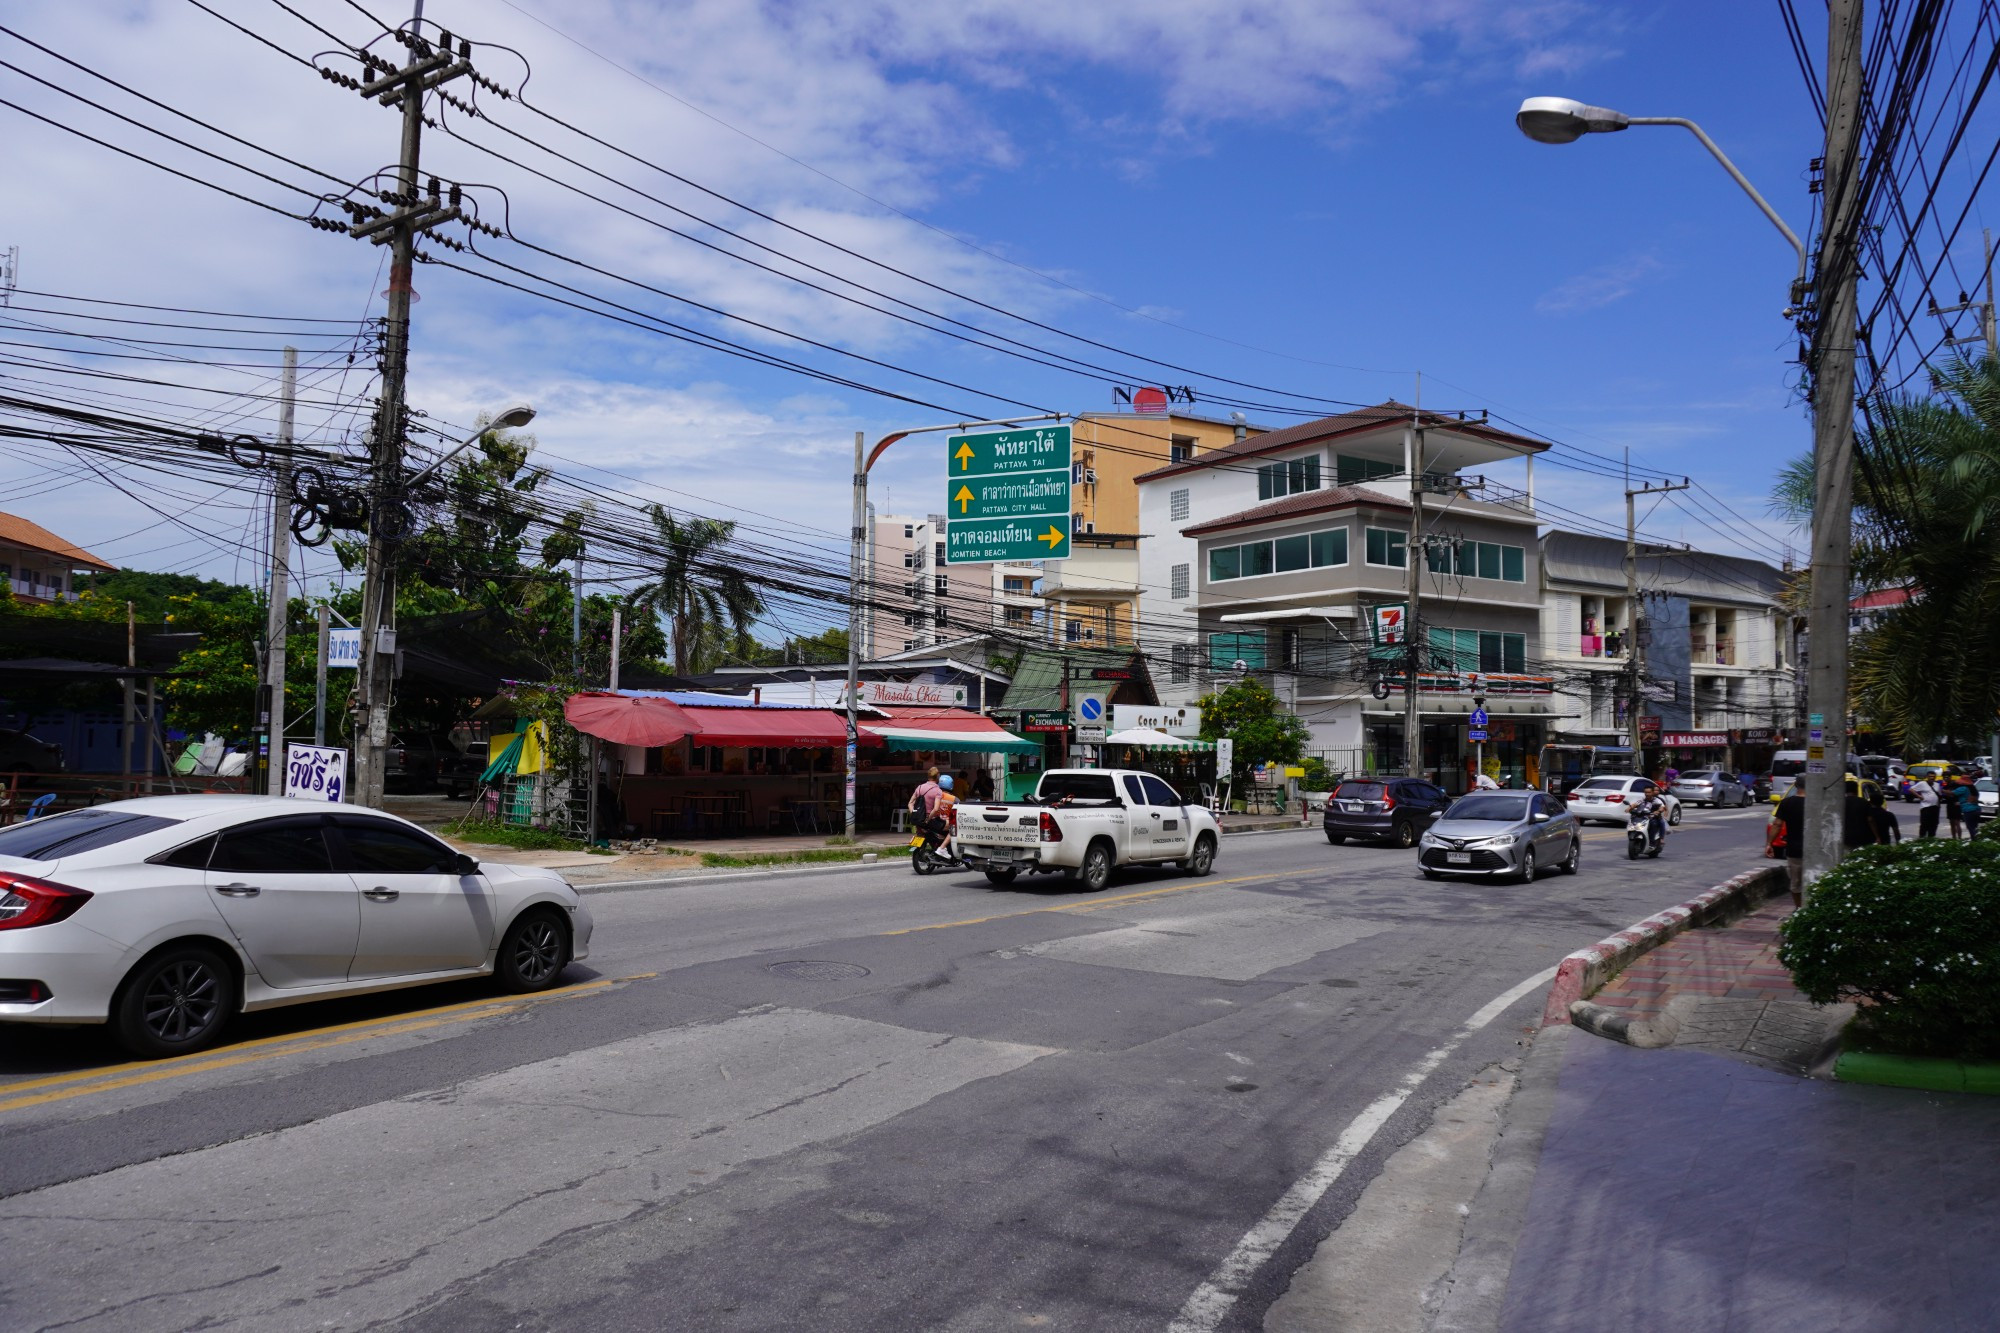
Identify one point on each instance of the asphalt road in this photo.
(852, 1099)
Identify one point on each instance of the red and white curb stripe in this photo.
(1584, 971)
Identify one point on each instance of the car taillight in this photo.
(1388, 801)
(1051, 831)
(1616, 798)
(951, 818)
(25, 901)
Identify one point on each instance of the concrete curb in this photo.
(1647, 1034)
(1585, 971)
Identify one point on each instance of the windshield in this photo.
(1499, 808)
(1787, 768)
(1604, 784)
(1077, 786)
(74, 832)
(1358, 791)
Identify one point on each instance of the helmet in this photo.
(945, 782)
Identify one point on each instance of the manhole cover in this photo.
(807, 969)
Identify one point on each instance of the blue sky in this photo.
(1338, 184)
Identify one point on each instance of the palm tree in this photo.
(1927, 518)
(698, 590)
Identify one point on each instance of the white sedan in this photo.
(1606, 799)
(168, 915)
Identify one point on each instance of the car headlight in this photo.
(1505, 840)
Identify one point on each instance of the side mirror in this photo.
(1541, 816)
(464, 865)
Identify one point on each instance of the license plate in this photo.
(1459, 858)
(1351, 807)
(917, 841)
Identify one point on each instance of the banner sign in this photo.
(316, 773)
(1388, 622)
(912, 694)
(1045, 719)
(343, 649)
(1688, 740)
(1182, 722)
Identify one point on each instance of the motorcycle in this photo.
(1644, 835)
(932, 848)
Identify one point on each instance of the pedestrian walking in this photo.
(1888, 828)
(1791, 815)
(1948, 794)
(1968, 807)
(1927, 807)
(1857, 826)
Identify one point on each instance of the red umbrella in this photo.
(625, 720)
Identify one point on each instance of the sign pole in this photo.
(323, 612)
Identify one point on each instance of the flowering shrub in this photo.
(1912, 931)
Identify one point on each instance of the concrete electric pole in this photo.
(428, 67)
(1833, 445)
(1985, 308)
(1635, 648)
(275, 619)
(1413, 633)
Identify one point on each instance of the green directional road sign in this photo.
(1007, 496)
(986, 541)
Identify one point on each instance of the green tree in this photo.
(1927, 514)
(1253, 717)
(697, 590)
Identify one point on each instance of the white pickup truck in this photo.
(1086, 822)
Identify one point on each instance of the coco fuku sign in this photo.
(1183, 722)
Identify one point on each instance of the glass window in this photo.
(1179, 575)
(1303, 473)
(295, 846)
(194, 856)
(1224, 562)
(1159, 793)
(1270, 480)
(1177, 504)
(75, 831)
(1358, 791)
(1348, 470)
(1077, 786)
(1500, 807)
(1387, 548)
(1329, 548)
(1513, 564)
(1293, 553)
(1465, 560)
(1437, 559)
(1226, 650)
(1256, 558)
(1133, 790)
(1489, 560)
(375, 846)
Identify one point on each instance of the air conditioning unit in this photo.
(1090, 476)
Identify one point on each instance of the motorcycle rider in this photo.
(1653, 807)
(939, 824)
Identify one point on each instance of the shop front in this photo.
(1522, 712)
(1689, 751)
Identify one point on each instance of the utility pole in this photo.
(1413, 633)
(10, 273)
(1833, 445)
(1985, 308)
(323, 612)
(617, 633)
(374, 683)
(272, 743)
(576, 624)
(858, 590)
(1635, 651)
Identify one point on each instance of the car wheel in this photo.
(1095, 872)
(1203, 858)
(1001, 878)
(1406, 834)
(1674, 816)
(175, 1002)
(1337, 839)
(534, 951)
(1528, 865)
(1570, 862)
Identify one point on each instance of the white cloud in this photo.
(1599, 287)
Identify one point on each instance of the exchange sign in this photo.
(1007, 496)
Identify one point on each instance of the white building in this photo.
(917, 600)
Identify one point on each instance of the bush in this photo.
(1913, 932)
(489, 832)
(1320, 778)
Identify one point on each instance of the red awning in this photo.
(643, 721)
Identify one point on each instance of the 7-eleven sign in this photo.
(1391, 623)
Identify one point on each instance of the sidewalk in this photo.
(1708, 1186)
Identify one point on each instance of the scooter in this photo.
(1643, 836)
(931, 851)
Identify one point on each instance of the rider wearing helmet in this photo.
(1654, 807)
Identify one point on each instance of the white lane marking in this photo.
(1213, 1299)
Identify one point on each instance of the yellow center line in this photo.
(1095, 903)
(85, 1082)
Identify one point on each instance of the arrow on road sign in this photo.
(1054, 537)
(964, 498)
(964, 456)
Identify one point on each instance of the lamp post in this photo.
(864, 462)
(511, 417)
(1560, 120)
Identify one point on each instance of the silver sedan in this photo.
(1710, 787)
(1502, 833)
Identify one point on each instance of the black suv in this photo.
(1395, 810)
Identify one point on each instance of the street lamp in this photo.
(511, 417)
(1559, 120)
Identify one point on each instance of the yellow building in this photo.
(1093, 596)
